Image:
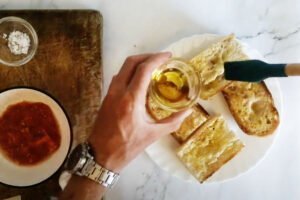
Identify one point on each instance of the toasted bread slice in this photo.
(209, 148)
(188, 126)
(191, 123)
(210, 65)
(155, 111)
(252, 106)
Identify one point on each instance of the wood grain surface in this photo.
(67, 65)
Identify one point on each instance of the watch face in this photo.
(75, 157)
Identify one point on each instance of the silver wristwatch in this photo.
(81, 162)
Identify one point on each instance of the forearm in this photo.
(81, 188)
(123, 129)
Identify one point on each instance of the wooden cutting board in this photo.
(68, 66)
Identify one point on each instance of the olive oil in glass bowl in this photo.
(174, 86)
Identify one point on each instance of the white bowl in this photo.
(18, 175)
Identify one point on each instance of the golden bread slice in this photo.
(155, 111)
(188, 126)
(210, 65)
(209, 148)
(191, 123)
(252, 106)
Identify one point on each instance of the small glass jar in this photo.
(175, 85)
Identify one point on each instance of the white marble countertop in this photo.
(136, 26)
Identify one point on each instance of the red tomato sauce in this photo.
(29, 133)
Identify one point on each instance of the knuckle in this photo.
(130, 59)
(141, 70)
(144, 69)
(112, 90)
(113, 93)
(114, 80)
(114, 77)
(142, 66)
(113, 87)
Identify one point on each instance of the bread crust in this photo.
(202, 135)
(187, 127)
(210, 65)
(181, 137)
(241, 120)
(224, 159)
(155, 111)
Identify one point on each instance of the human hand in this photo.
(123, 127)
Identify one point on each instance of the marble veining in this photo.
(273, 35)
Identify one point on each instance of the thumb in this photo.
(173, 122)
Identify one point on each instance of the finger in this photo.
(171, 123)
(141, 79)
(113, 87)
(129, 66)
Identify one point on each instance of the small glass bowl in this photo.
(8, 25)
(192, 80)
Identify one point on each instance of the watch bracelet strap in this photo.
(100, 175)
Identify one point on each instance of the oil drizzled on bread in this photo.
(209, 148)
(252, 106)
(210, 65)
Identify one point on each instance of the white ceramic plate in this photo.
(15, 175)
(163, 151)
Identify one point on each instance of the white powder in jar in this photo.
(18, 42)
